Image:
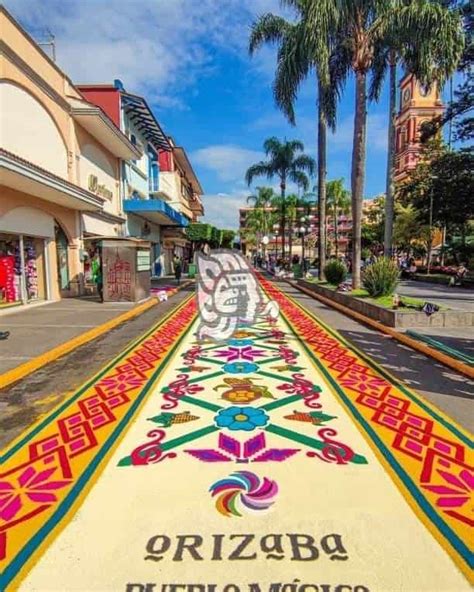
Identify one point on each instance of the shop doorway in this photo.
(62, 259)
(22, 269)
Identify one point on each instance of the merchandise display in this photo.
(31, 271)
(10, 270)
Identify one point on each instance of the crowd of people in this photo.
(285, 268)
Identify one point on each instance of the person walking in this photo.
(178, 268)
(97, 275)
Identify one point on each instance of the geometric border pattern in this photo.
(41, 473)
(427, 454)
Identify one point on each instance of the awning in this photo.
(143, 119)
(24, 176)
(156, 211)
(93, 225)
(103, 129)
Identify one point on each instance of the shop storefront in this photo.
(23, 269)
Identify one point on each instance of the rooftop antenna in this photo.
(49, 40)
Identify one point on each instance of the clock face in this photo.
(406, 95)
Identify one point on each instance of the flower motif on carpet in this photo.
(241, 418)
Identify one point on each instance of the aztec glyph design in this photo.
(243, 489)
(191, 404)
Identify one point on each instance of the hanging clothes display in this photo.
(31, 271)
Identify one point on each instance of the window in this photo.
(153, 170)
(133, 140)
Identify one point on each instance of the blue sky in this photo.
(189, 59)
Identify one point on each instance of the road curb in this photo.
(401, 337)
(20, 372)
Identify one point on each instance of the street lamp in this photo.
(276, 242)
(430, 244)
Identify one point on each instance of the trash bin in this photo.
(297, 270)
(192, 270)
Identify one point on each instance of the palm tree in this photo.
(292, 202)
(365, 28)
(303, 46)
(430, 54)
(261, 217)
(338, 201)
(286, 161)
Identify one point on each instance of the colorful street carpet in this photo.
(282, 460)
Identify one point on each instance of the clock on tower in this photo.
(417, 105)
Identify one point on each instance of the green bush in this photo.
(335, 272)
(365, 253)
(381, 278)
(199, 232)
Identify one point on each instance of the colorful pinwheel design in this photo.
(243, 489)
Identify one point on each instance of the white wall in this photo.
(28, 130)
(95, 162)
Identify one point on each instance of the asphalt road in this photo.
(23, 402)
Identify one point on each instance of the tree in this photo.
(373, 224)
(286, 161)
(409, 231)
(460, 107)
(338, 202)
(292, 201)
(429, 53)
(441, 187)
(366, 28)
(304, 46)
(228, 237)
(263, 214)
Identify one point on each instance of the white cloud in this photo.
(222, 209)
(156, 47)
(227, 161)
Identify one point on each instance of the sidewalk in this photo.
(34, 331)
(457, 298)
(459, 338)
(451, 392)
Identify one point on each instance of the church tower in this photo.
(417, 105)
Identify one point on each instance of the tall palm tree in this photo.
(338, 201)
(366, 27)
(286, 161)
(304, 46)
(430, 54)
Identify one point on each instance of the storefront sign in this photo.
(98, 189)
(143, 260)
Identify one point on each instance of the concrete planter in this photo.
(394, 318)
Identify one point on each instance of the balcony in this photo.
(155, 211)
(137, 181)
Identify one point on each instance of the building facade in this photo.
(180, 187)
(417, 106)
(338, 229)
(161, 193)
(59, 174)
